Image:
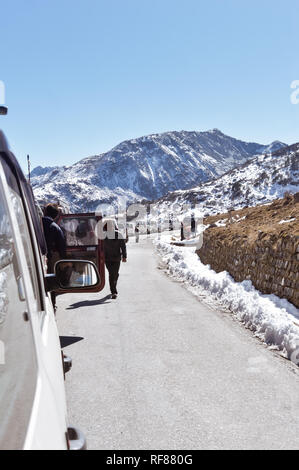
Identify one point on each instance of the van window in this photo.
(18, 367)
(22, 223)
(79, 231)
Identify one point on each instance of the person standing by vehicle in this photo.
(55, 240)
(115, 250)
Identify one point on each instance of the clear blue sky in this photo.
(83, 75)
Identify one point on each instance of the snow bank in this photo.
(273, 320)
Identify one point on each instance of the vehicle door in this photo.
(83, 243)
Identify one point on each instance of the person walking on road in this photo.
(115, 250)
(55, 240)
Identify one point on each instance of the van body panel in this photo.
(32, 404)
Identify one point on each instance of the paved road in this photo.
(157, 369)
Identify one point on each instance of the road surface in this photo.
(157, 369)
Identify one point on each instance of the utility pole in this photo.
(29, 167)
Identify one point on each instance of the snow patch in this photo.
(287, 221)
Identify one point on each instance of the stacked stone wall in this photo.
(271, 262)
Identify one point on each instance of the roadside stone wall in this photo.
(270, 261)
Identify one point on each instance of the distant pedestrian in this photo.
(182, 232)
(55, 240)
(137, 233)
(193, 224)
(115, 250)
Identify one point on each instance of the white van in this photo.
(32, 395)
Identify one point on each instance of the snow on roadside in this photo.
(272, 319)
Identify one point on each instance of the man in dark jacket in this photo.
(115, 250)
(193, 224)
(55, 240)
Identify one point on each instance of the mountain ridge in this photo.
(260, 180)
(145, 168)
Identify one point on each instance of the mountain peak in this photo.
(40, 170)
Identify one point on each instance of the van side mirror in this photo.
(72, 276)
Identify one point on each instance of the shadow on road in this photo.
(89, 303)
(69, 340)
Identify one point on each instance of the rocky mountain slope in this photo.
(260, 180)
(145, 168)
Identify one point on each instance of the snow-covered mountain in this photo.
(145, 168)
(260, 180)
(40, 171)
